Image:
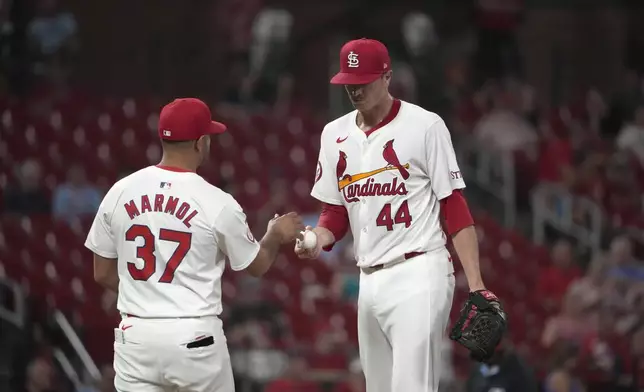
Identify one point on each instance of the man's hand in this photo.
(325, 237)
(286, 227)
(304, 253)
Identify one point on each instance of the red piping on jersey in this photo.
(393, 112)
(455, 212)
(335, 219)
(174, 169)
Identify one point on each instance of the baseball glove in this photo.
(481, 325)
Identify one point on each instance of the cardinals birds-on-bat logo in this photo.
(388, 153)
(391, 158)
(353, 188)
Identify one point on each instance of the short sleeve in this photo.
(100, 239)
(442, 168)
(234, 237)
(325, 187)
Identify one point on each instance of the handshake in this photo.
(289, 227)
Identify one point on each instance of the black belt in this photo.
(378, 267)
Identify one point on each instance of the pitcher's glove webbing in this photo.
(481, 325)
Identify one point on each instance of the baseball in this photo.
(310, 240)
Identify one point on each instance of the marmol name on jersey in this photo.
(161, 204)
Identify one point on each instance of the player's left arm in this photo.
(106, 272)
(460, 226)
(100, 240)
(447, 183)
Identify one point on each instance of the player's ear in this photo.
(387, 77)
(202, 143)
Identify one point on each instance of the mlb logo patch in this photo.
(167, 133)
(166, 185)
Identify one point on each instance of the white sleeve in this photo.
(234, 237)
(100, 238)
(442, 168)
(325, 187)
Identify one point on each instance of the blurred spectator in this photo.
(631, 137)
(590, 287)
(622, 192)
(634, 318)
(105, 384)
(605, 359)
(554, 280)
(40, 376)
(29, 196)
(345, 286)
(234, 19)
(52, 37)
(425, 58)
(503, 128)
(107, 379)
(237, 71)
(623, 262)
(556, 153)
(571, 324)
(294, 378)
(562, 377)
(506, 371)
(269, 81)
(330, 346)
(355, 381)
(594, 114)
(76, 197)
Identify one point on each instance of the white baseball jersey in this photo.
(390, 180)
(171, 232)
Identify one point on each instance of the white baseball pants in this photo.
(154, 355)
(403, 311)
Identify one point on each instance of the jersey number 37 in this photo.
(145, 252)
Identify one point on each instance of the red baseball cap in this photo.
(187, 119)
(362, 61)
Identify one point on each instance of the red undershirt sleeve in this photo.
(455, 212)
(334, 218)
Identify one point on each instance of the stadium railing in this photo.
(576, 216)
(88, 365)
(13, 309)
(494, 172)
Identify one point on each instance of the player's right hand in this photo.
(304, 253)
(286, 227)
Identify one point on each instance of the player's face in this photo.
(365, 96)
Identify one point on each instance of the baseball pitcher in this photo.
(388, 171)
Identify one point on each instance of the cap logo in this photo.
(167, 133)
(352, 60)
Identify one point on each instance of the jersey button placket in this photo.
(364, 210)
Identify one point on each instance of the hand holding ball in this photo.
(309, 240)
